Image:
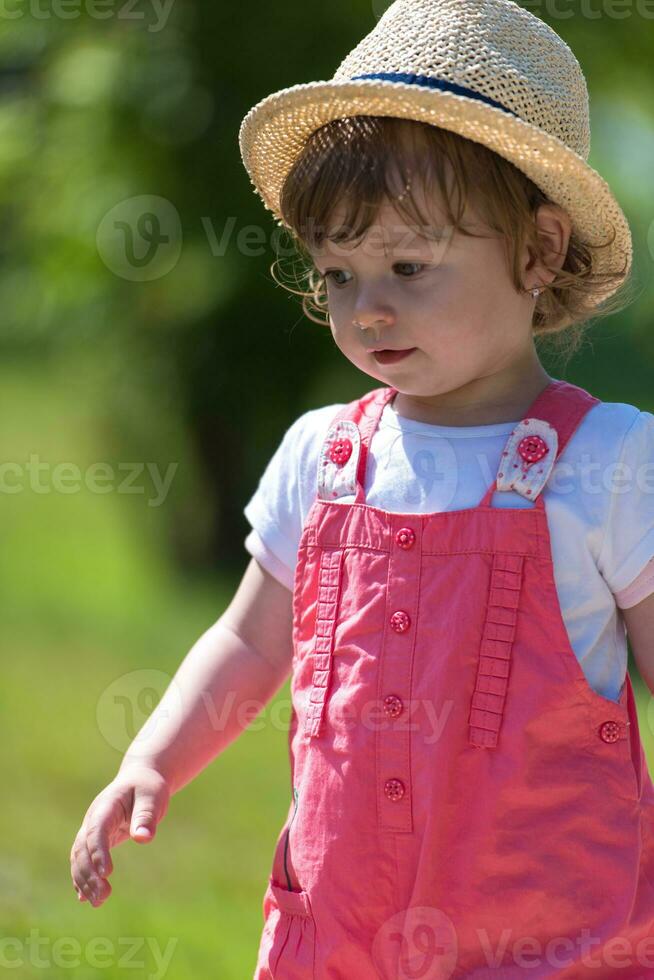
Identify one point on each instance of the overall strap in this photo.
(525, 466)
(539, 439)
(344, 454)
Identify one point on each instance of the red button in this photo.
(394, 789)
(609, 731)
(532, 448)
(340, 451)
(393, 705)
(405, 537)
(400, 621)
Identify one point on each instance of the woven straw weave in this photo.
(496, 48)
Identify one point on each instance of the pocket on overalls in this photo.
(288, 942)
(638, 760)
(287, 841)
(612, 739)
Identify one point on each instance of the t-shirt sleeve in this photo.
(268, 559)
(276, 510)
(628, 544)
(640, 588)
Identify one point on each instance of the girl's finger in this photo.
(87, 892)
(105, 819)
(85, 876)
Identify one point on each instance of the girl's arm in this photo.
(639, 620)
(225, 680)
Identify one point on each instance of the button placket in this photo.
(393, 772)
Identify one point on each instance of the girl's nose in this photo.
(373, 319)
(371, 334)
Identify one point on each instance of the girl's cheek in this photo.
(335, 305)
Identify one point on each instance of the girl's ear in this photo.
(553, 227)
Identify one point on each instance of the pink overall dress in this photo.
(464, 804)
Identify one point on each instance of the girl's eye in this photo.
(334, 272)
(416, 265)
(330, 273)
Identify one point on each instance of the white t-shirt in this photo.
(599, 502)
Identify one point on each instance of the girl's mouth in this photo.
(391, 356)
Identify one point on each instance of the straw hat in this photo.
(488, 70)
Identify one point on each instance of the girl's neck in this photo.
(478, 403)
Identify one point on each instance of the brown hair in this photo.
(354, 160)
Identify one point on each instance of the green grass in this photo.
(201, 880)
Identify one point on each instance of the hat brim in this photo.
(275, 130)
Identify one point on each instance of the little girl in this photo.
(448, 566)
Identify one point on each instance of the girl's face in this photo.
(450, 301)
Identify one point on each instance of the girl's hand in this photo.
(130, 806)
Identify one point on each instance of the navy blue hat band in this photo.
(427, 81)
